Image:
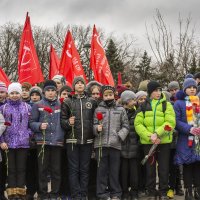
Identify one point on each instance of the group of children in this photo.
(83, 135)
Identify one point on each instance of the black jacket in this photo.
(130, 147)
(82, 107)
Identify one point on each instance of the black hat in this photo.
(197, 75)
(151, 86)
(49, 84)
(37, 90)
(107, 87)
(65, 87)
(77, 79)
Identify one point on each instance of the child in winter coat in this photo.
(49, 136)
(188, 148)
(15, 140)
(32, 184)
(130, 151)
(110, 128)
(77, 121)
(150, 125)
(3, 100)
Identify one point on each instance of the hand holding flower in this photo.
(4, 146)
(72, 120)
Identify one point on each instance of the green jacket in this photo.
(154, 121)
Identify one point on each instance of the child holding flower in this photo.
(45, 123)
(153, 115)
(110, 130)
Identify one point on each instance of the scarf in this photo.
(190, 101)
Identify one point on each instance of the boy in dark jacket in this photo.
(77, 120)
(45, 123)
(109, 135)
(130, 150)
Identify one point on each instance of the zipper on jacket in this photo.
(154, 116)
(108, 125)
(81, 121)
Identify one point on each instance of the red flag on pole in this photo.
(54, 63)
(119, 78)
(70, 64)
(28, 64)
(4, 78)
(98, 60)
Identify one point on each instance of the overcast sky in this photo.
(119, 16)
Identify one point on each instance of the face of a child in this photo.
(79, 87)
(108, 95)
(50, 94)
(173, 91)
(142, 99)
(64, 94)
(59, 84)
(3, 96)
(131, 103)
(156, 94)
(191, 91)
(197, 80)
(14, 96)
(35, 97)
(25, 93)
(95, 93)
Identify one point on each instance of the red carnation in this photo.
(197, 109)
(167, 128)
(61, 100)
(99, 116)
(72, 93)
(47, 109)
(7, 123)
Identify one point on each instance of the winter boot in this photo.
(21, 192)
(189, 194)
(197, 193)
(11, 193)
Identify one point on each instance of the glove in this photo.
(154, 137)
(195, 131)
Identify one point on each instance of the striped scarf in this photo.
(190, 101)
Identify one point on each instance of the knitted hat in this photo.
(127, 95)
(37, 90)
(167, 95)
(49, 84)
(3, 87)
(26, 85)
(120, 89)
(173, 85)
(15, 87)
(60, 78)
(65, 87)
(143, 85)
(140, 94)
(91, 84)
(189, 76)
(151, 86)
(107, 87)
(188, 83)
(77, 79)
(197, 75)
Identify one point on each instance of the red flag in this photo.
(28, 64)
(98, 60)
(54, 63)
(70, 64)
(4, 78)
(119, 78)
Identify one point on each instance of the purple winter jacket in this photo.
(17, 113)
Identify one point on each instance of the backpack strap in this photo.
(143, 107)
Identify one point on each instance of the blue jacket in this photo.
(54, 134)
(184, 154)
